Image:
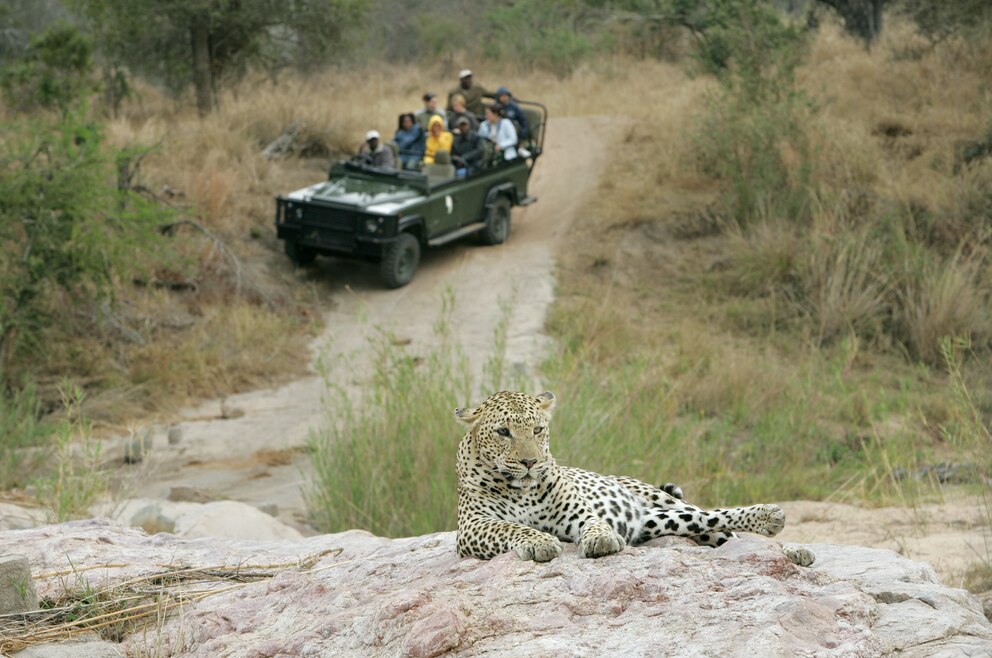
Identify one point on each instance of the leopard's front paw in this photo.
(768, 520)
(599, 541)
(799, 555)
(542, 549)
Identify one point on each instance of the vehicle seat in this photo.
(441, 170)
(534, 124)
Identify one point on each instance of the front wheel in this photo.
(300, 255)
(400, 260)
(497, 228)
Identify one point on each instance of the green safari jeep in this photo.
(390, 216)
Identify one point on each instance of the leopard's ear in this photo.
(547, 400)
(467, 415)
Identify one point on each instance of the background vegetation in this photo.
(794, 230)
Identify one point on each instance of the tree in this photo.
(53, 73)
(862, 18)
(207, 42)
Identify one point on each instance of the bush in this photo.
(63, 226)
(753, 136)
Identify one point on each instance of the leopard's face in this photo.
(512, 437)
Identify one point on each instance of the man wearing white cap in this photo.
(374, 153)
(473, 93)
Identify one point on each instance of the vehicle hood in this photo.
(374, 196)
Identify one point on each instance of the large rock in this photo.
(17, 517)
(415, 597)
(228, 519)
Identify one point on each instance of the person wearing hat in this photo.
(466, 149)
(374, 153)
(429, 110)
(513, 112)
(472, 92)
(438, 139)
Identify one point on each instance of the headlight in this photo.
(371, 225)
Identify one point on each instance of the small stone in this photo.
(228, 412)
(186, 494)
(134, 451)
(175, 435)
(152, 520)
(17, 593)
(269, 508)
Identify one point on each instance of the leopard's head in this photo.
(511, 436)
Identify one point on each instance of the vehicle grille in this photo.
(324, 227)
(329, 218)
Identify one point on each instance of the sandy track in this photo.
(249, 458)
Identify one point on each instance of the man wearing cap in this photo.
(424, 114)
(473, 93)
(466, 149)
(375, 154)
(513, 112)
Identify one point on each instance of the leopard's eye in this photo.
(538, 430)
(503, 432)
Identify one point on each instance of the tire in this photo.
(299, 254)
(497, 228)
(400, 261)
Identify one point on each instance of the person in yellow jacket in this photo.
(438, 139)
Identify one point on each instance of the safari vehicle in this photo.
(390, 216)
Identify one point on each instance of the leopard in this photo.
(514, 496)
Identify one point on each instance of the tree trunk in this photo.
(862, 18)
(202, 79)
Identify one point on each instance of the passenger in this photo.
(410, 138)
(466, 151)
(438, 139)
(513, 112)
(429, 110)
(458, 111)
(500, 131)
(472, 93)
(374, 153)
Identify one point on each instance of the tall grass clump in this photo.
(385, 458)
(22, 435)
(968, 428)
(76, 480)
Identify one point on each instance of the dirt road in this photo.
(254, 458)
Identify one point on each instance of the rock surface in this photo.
(414, 597)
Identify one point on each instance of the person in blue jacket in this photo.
(410, 139)
(513, 112)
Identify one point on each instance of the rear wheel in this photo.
(299, 254)
(497, 228)
(400, 261)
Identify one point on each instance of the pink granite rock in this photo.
(415, 597)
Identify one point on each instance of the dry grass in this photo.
(785, 347)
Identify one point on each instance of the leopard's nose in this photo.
(528, 462)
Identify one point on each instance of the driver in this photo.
(374, 153)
